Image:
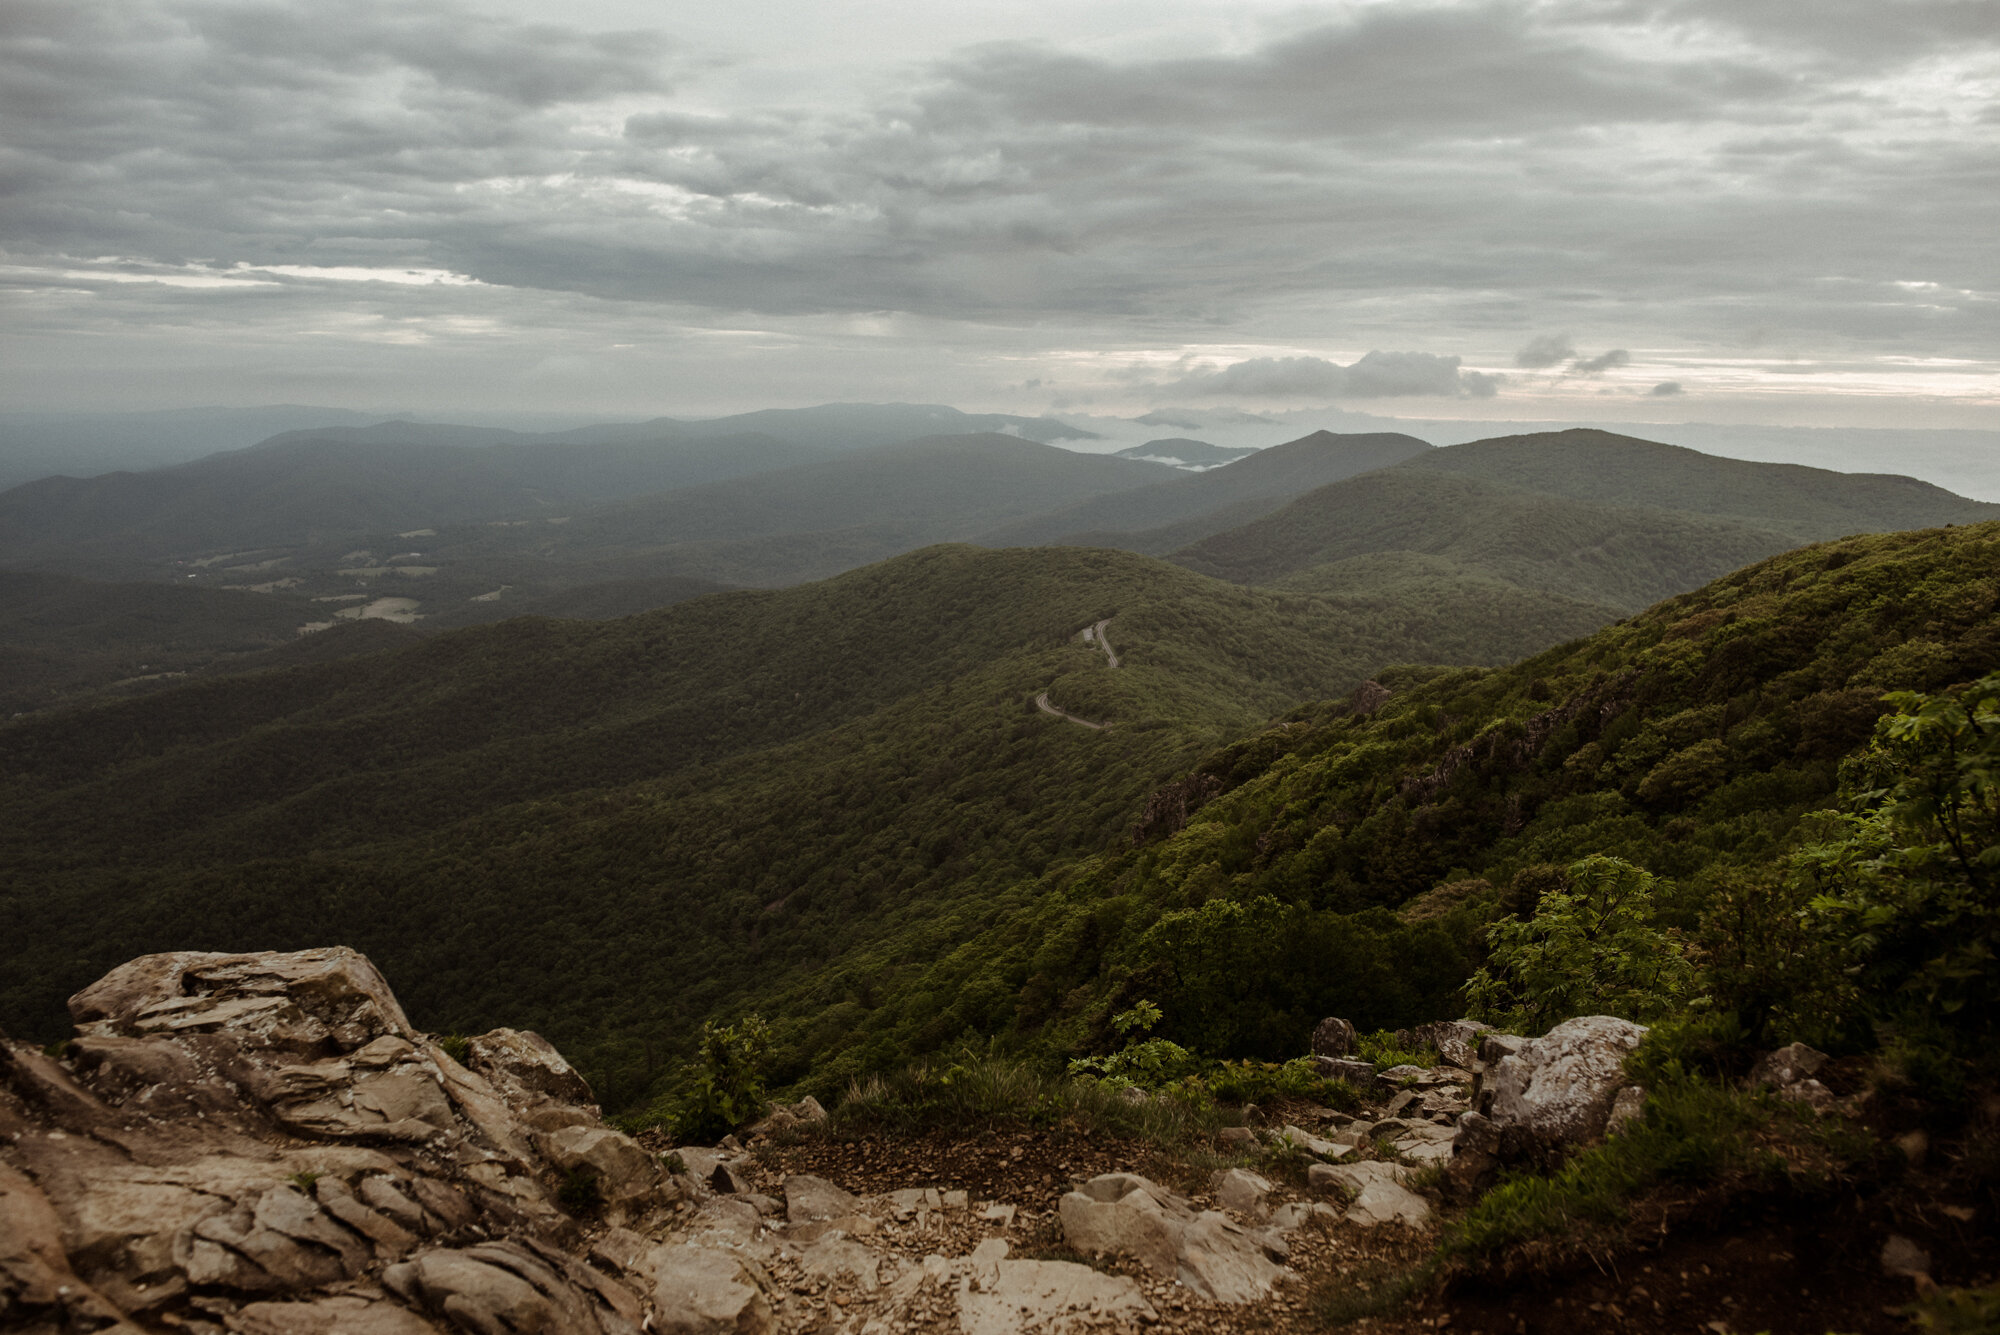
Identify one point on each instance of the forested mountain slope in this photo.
(1808, 504)
(491, 799)
(1210, 501)
(838, 804)
(1621, 558)
(933, 484)
(1347, 862)
(60, 635)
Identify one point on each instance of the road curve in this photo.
(1091, 635)
(1042, 703)
(1097, 632)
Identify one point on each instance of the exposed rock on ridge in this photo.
(263, 1143)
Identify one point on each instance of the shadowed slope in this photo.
(1212, 501)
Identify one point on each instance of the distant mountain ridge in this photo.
(1590, 515)
(1210, 501)
(1811, 504)
(1185, 453)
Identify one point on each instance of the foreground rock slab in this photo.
(1002, 1297)
(262, 1142)
(1558, 1089)
(1124, 1214)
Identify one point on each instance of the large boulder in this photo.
(1457, 1041)
(265, 1137)
(1375, 1191)
(1125, 1214)
(1333, 1037)
(703, 1291)
(1557, 1090)
(1053, 1296)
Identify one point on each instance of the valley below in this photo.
(890, 872)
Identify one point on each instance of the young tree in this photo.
(1591, 948)
(1912, 888)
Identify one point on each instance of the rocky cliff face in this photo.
(262, 1143)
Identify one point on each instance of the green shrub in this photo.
(1910, 888)
(1692, 1132)
(1769, 964)
(1382, 1048)
(1146, 1062)
(1710, 1045)
(1258, 1082)
(728, 1085)
(981, 1091)
(456, 1046)
(1591, 948)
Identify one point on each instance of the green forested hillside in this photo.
(61, 635)
(1347, 863)
(446, 804)
(1621, 557)
(839, 805)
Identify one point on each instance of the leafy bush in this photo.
(1591, 948)
(728, 1085)
(1693, 1131)
(1257, 1082)
(1145, 1062)
(1909, 889)
(1769, 965)
(1382, 1048)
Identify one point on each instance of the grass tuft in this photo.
(994, 1091)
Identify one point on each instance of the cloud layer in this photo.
(1378, 375)
(1811, 181)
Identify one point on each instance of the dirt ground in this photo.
(1701, 1268)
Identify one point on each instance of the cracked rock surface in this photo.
(263, 1143)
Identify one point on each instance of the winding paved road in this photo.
(1042, 703)
(1091, 635)
(1097, 632)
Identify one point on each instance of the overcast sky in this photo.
(1722, 210)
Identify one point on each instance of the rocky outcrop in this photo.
(1123, 1214)
(1789, 1073)
(263, 1143)
(1457, 1041)
(1333, 1037)
(1559, 1089)
(1375, 1191)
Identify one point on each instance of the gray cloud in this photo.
(1414, 175)
(1602, 362)
(1406, 70)
(1376, 375)
(1544, 351)
(1666, 389)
